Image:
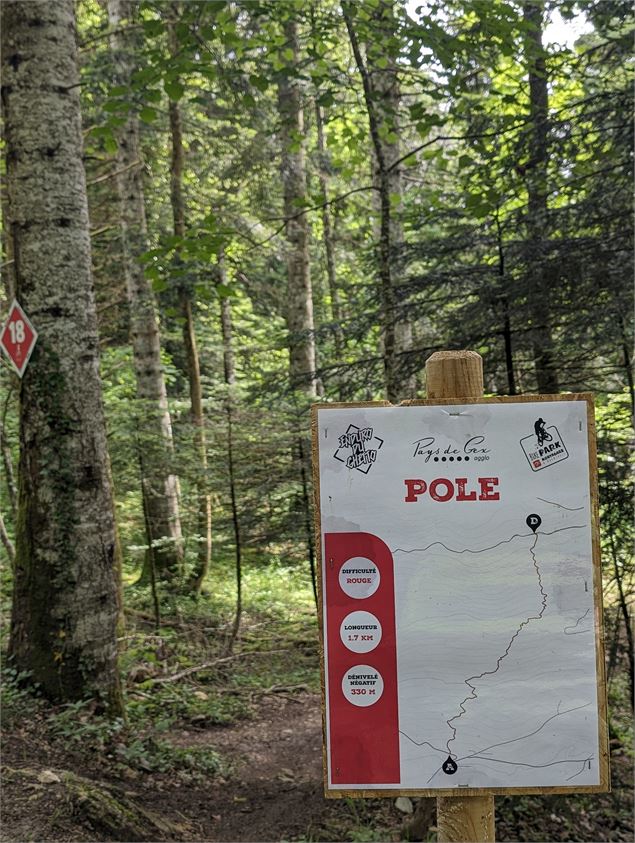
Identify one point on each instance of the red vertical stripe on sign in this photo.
(364, 739)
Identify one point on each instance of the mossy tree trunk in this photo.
(65, 608)
(160, 485)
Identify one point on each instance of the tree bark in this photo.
(227, 333)
(64, 614)
(382, 180)
(9, 476)
(204, 503)
(384, 83)
(160, 486)
(327, 238)
(504, 300)
(539, 293)
(293, 167)
(6, 541)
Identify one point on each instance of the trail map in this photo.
(460, 597)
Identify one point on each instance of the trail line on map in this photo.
(568, 508)
(473, 695)
(501, 743)
(529, 734)
(484, 549)
(514, 740)
(536, 766)
(573, 626)
(582, 769)
(421, 743)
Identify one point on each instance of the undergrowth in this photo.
(182, 674)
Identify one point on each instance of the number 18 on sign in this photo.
(18, 338)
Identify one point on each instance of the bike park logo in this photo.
(358, 440)
(545, 447)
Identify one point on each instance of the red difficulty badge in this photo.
(18, 338)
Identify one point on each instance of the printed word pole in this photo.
(459, 374)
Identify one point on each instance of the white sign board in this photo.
(461, 599)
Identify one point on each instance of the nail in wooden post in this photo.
(459, 374)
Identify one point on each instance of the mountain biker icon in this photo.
(541, 434)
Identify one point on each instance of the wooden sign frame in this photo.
(603, 748)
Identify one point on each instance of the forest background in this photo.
(288, 201)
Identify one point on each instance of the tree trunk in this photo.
(160, 486)
(327, 237)
(204, 502)
(64, 614)
(9, 476)
(6, 541)
(383, 180)
(299, 293)
(507, 326)
(537, 190)
(230, 380)
(384, 83)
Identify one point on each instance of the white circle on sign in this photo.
(359, 577)
(360, 632)
(362, 685)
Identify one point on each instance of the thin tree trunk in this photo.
(327, 238)
(230, 381)
(628, 624)
(7, 464)
(384, 83)
(299, 293)
(7, 543)
(537, 208)
(628, 366)
(64, 613)
(151, 552)
(308, 524)
(229, 365)
(204, 502)
(8, 275)
(383, 180)
(160, 485)
(507, 329)
(614, 642)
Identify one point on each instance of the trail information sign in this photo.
(460, 597)
(18, 338)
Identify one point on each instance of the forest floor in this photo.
(230, 749)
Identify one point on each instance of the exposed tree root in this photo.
(107, 809)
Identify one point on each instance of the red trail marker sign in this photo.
(18, 338)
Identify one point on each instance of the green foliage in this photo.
(125, 746)
(18, 696)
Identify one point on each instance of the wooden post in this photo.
(459, 374)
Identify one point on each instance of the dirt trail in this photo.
(275, 791)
